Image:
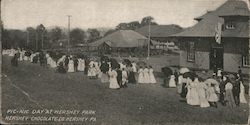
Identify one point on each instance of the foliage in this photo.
(77, 36)
(93, 34)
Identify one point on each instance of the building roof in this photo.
(123, 38)
(207, 22)
(159, 30)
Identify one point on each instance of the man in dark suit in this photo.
(236, 91)
(75, 60)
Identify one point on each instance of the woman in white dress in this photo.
(71, 65)
(140, 76)
(242, 93)
(146, 75)
(151, 75)
(124, 78)
(134, 67)
(202, 93)
(212, 97)
(179, 85)
(113, 83)
(90, 70)
(172, 83)
(12, 52)
(192, 94)
(52, 63)
(81, 65)
(32, 56)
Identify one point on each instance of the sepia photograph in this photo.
(125, 62)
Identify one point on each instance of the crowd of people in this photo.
(108, 70)
(228, 89)
(194, 90)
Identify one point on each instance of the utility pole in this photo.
(149, 35)
(36, 41)
(28, 39)
(68, 31)
(42, 39)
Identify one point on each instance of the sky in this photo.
(19, 14)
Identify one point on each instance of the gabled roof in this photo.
(208, 22)
(229, 8)
(159, 30)
(123, 38)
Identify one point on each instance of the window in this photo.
(191, 52)
(230, 25)
(245, 60)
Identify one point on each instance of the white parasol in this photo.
(184, 70)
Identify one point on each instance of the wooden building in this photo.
(220, 39)
(122, 42)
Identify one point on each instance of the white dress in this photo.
(140, 76)
(81, 65)
(242, 94)
(202, 95)
(151, 76)
(172, 81)
(113, 80)
(211, 94)
(179, 86)
(192, 94)
(52, 63)
(134, 67)
(12, 52)
(32, 56)
(219, 73)
(71, 66)
(146, 75)
(124, 77)
(122, 66)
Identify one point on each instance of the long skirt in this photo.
(202, 97)
(172, 83)
(242, 94)
(131, 78)
(184, 90)
(229, 98)
(113, 83)
(104, 78)
(179, 88)
(140, 78)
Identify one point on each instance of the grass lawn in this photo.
(30, 86)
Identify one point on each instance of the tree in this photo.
(55, 34)
(122, 26)
(94, 34)
(40, 33)
(31, 37)
(17, 38)
(128, 26)
(77, 36)
(134, 25)
(147, 20)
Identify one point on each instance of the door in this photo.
(216, 58)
